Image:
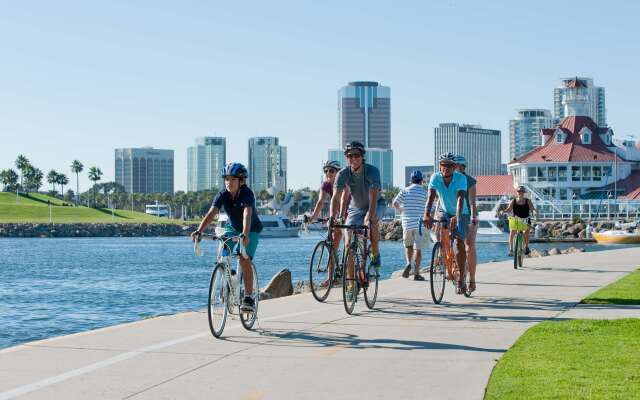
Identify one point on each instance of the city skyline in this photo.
(145, 84)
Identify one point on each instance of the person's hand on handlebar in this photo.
(245, 239)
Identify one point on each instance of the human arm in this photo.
(532, 207)
(398, 202)
(335, 206)
(246, 224)
(206, 221)
(459, 207)
(316, 210)
(371, 216)
(427, 218)
(508, 209)
(473, 205)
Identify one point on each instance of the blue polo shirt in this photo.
(448, 195)
(235, 208)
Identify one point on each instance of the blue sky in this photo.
(78, 79)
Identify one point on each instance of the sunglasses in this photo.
(354, 155)
(447, 165)
(330, 171)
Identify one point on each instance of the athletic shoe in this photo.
(407, 270)
(248, 304)
(418, 277)
(375, 262)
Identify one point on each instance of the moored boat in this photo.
(617, 237)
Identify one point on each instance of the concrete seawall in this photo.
(94, 230)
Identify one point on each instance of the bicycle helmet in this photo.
(354, 146)
(331, 164)
(447, 158)
(460, 160)
(235, 169)
(416, 177)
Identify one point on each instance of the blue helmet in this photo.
(460, 160)
(235, 169)
(416, 177)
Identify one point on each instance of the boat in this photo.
(617, 237)
(488, 230)
(273, 226)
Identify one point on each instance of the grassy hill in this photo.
(35, 209)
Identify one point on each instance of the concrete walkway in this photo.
(408, 348)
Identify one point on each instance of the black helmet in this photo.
(354, 146)
(235, 169)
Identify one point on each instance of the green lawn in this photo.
(576, 359)
(35, 209)
(623, 291)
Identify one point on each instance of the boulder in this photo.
(535, 254)
(572, 250)
(301, 287)
(554, 251)
(280, 285)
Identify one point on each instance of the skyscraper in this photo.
(595, 98)
(205, 163)
(267, 164)
(364, 115)
(481, 147)
(524, 130)
(144, 170)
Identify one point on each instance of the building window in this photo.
(531, 173)
(606, 171)
(586, 173)
(552, 174)
(542, 175)
(562, 174)
(575, 173)
(563, 194)
(586, 137)
(560, 138)
(597, 173)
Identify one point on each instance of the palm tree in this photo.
(95, 174)
(22, 163)
(52, 178)
(76, 168)
(33, 178)
(9, 179)
(62, 180)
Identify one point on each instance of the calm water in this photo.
(52, 287)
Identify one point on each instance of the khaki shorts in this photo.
(412, 238)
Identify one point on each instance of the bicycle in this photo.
(520, 225)
(322, 276)
(440, 265)
(363, 278)
(226, 288)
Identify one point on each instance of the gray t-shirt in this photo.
(359, 184)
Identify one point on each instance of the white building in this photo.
(205, 163)
(524, 130)
(596, 109)
(267, 165)
(481, 147)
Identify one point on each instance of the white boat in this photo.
(273, 226)
(488, 230)
(617, 237)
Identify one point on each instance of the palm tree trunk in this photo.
(77, 189)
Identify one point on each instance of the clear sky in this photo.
(80, 78)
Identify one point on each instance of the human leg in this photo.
(512, 234)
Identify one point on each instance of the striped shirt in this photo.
(413, 198)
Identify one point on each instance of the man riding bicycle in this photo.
(366, 205)
(239, 204)
(450, 186)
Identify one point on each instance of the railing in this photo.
(588, 210)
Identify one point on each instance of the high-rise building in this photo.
(364, 112)
(524, 130)
(267, 165)
(481, 147)
(427, 171)
(144, 170)
(205, 163)
(379, 158)
(595, 99)
(364, 115)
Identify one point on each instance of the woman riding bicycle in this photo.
(521, 207)
(239, 203)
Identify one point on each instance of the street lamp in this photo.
(573, 197)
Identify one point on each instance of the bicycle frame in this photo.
(359, 233)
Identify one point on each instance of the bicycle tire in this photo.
(322, 251)
(371, 290)
(517, 257)
(349, 285)
(437, 274)
(218, 285)
(248, 318)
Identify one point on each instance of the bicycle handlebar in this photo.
(238, 239)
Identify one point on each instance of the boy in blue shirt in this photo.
(239, 203)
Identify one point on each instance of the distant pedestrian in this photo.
(410, 202)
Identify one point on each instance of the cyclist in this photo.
(470, 239)
(450, 186)
(330, 169)
(239, 203)
(366, 204)
(410, 201)
(521, 208)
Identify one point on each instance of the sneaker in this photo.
(527, 251)
(418, 277)
(248, 304)
(407, 270)
(375, 262)
(510, 253)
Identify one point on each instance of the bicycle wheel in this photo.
(218, 300)
(517, 251)
(248, 318)
(319, 269)
(371, 288)
(437, 274)
(350, 285)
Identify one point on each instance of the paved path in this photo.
(408, 348)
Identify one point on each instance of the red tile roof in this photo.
(630, 185)
(494, 185)
(572, 149)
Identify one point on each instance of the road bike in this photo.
(444, 265)
(325, 270)
(227, 288)
(520, 225)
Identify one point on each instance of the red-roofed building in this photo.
(490, 188)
